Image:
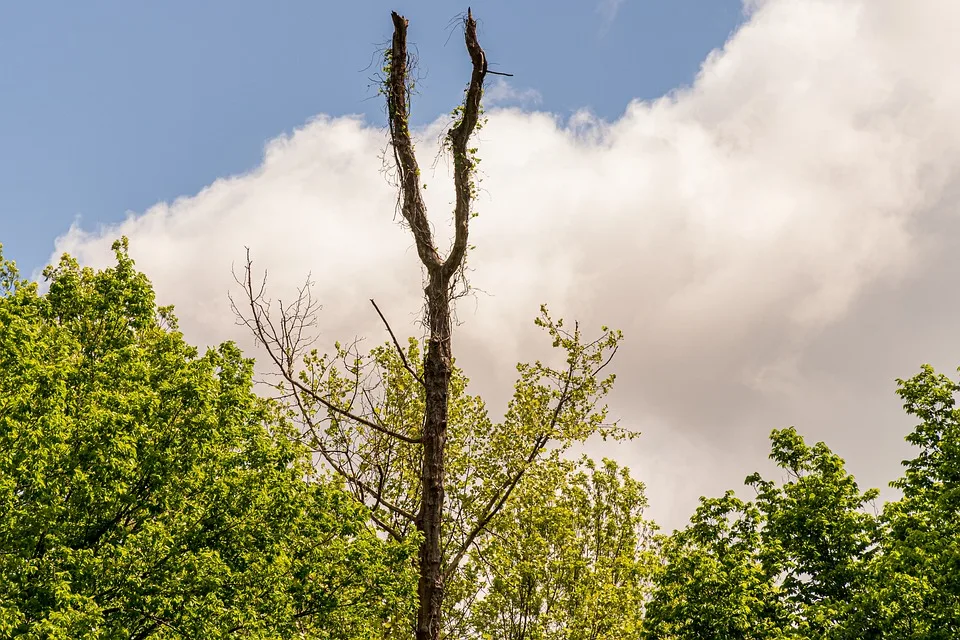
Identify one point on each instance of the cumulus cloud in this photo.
(775, 241)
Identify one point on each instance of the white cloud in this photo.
(748, 234)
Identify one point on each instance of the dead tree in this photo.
(386, 434)
(441, 273)
(284, 339)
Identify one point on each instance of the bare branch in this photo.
(361, 487)
(413, 208)
(282, 351)
(392, 532)
(366, 489)
(459, 137)
(351, 416)
(396, 343)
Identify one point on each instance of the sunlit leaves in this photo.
(146, 491)
(791, 564)
(916, 575)
(569, 558)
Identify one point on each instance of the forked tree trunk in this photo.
(285, 344)
(440, 276)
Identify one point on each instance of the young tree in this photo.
(817, 535)
(397, 425)
(147, 492)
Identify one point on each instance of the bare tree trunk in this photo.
(440, 276)
(436, 377)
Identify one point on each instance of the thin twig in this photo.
(272, 340)
(396, 343)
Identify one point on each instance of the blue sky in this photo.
(112, 106)
(774, 242)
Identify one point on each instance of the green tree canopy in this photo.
(570, 558)
(916, 575)
(147, 492)
(790, 564)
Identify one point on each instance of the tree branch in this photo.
(459, 137)
(352, 478)
(396, 343)
(412, 206)
(391, 531)
(351, 416)
(273, 341)
(364, 488)
(499, 499)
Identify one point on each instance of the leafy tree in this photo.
(569, 558)
(787, 565)
(147, 492)
(817, 536)
(712, 585)
(916, 578)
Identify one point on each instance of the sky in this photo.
(760, 195)
(110, 107)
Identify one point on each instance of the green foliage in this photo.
(568, 559)
(916, 589)
(146, 491)
(488, 464)
(788, 565)
(816, 535)
(712, 585)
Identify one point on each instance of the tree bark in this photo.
(436, 377)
